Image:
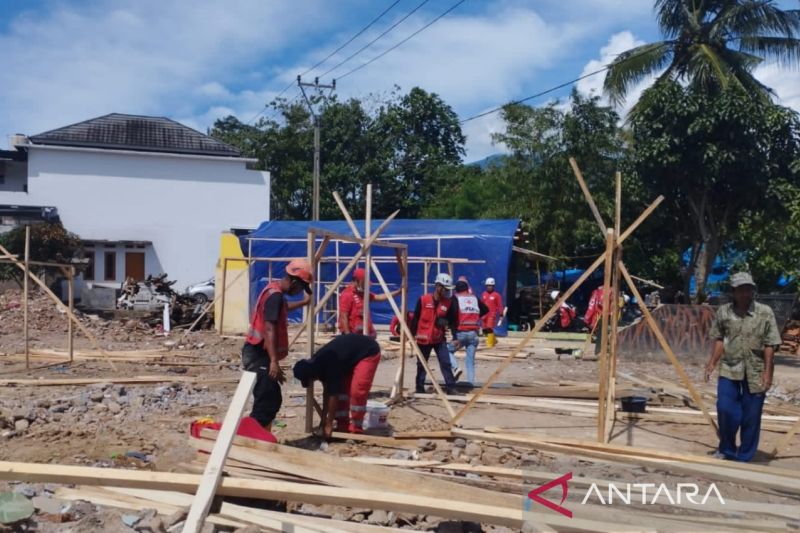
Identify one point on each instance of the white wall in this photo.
(180, 203)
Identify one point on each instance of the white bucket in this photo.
(377, 415)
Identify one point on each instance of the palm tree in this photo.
(710, 44)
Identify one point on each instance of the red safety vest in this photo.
(430, 310)
(566, 315)
(256, 334)
(469, 313)
(494, 302)
(355, 318)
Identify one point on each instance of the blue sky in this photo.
(198, 60)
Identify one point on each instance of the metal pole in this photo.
(25, 296)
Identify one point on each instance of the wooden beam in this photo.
(636, 223)
(602, 366)
(25, 296)
(346, 215)
(587, 194)
(786, 439)
(213, 471)
(698, 400)
(311, 326)
(414, 345)
(321, 250)
(366, 317)
(70, 325)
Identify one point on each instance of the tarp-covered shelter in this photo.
(489, 241)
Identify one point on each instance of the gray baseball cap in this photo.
(742, 278)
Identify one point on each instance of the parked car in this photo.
(202, 292)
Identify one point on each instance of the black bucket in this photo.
(634, 404)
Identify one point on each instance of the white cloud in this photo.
(785, 83)
(479, 137)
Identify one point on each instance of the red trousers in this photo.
(352, 405)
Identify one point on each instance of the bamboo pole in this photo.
(587, 194)
(347, 216)
(604, 327)
(414, 345)
(611, 364)
(399, 378)
(25, 297)
(222, 296)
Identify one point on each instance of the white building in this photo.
(146, 194)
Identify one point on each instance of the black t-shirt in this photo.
(339, 356)
(272, 307)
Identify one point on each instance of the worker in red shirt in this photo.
(432, 316)
(351, 305)
(494, 302)
(346, 367)
(470, 311)
(267, 341)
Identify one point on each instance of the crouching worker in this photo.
(346, 367)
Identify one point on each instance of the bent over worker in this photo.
(745, 335)
(346, 367)
(267, 341)
(351, 305)
(432, 316)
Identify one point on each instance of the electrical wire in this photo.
(428, 25)
(376, 39)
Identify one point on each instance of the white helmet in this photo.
(444, 280)
(554, 295)
(490, 281)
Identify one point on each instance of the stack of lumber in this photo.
(122, 356)
(118, 380)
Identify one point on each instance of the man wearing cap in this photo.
(434, 313)
(267, 341)
(469, 312)
(494, 302)
(745, 335)
(346, 367)
(566, 313)
(351, 305)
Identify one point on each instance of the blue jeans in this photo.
(444, 364)
(738, 409)
(469, 340)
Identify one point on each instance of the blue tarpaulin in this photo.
(481, 240)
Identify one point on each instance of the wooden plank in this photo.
(726, 471)
(335, 471)
(423, 434)
(665, 346)
(25, 296)
(786, 439)
(213, 472)
(311, 327)
(115, 380)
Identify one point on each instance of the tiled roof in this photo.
(135, 132)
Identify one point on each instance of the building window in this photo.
(111, 266)
(88, 274)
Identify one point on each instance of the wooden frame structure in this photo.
(614, 270)
(69, 272)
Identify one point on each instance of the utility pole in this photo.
(315, 117)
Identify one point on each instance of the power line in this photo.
(353, 38)
(431, 23)
(373, 41)
(551, 89)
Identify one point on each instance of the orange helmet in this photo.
(300, 269)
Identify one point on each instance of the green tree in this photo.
(710, 45)
(714, 157)
(49, 242)
(407, 148)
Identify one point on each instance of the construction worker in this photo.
(745, 336)
(464, 279)
(346, 367)
(494, 302)
(566, 313)
(351, 305)
(267, 341)
(432, 316)
(469, 311)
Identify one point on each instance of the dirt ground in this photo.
(147, 426)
